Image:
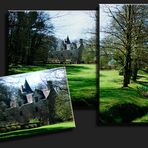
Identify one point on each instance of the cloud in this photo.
(75, 24)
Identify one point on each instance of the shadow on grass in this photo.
(144, 83)
(121, 93)
(102, 75)
(82, 82)
(83, 92)
(29, 68)
(124, 111)
(122, 114)
(71, 69)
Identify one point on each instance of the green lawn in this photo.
(121, 105)
(40, 130)
(81, 78)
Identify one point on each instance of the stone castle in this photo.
(68, 52)
(32, 105)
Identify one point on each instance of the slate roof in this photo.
(27, 88)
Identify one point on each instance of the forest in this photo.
(30, 36)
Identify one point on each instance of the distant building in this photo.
(67, 52)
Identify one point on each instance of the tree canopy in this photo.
(30, 36)
(127, 38)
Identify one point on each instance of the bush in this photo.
(63, 108)
(143, 90)
(3, 129)
(8, 129)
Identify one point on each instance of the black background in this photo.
(86, 134)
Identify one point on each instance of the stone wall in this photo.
(22, 115)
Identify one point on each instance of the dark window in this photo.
(19, 103)
(36, 109)
(21, 113)
(36, 99)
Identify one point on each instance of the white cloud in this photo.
(75, 24)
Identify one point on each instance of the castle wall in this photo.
(63, 56)
(36, 110)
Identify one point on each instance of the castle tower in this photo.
(68, 43)
(68, 40)
(81, 42)
(27, 88)
(80, 51)
(51, 101)
(26, 93)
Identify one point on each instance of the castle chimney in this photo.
(81, 41)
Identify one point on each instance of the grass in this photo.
(81, 78)
(117, 104)
(142, 119)
(40, 130)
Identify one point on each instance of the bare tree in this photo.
(124, 32)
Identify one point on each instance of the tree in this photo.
(88, 53)
(108, 52)
(28, 32)
(125, 19)
(140, 51)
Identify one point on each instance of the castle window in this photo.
(21, 113)
(19, 103)
(36, 99)
(36, 109)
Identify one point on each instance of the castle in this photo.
(67, 52)
(27, 95)
(36, 104)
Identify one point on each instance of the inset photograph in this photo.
(123, 64)
(35, 103)
(40, 39)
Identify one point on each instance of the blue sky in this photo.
(75, 24)
(104, 19)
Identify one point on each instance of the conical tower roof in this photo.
(68, 40)
(27, 87)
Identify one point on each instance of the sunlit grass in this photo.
(39, 130)
(142, 119)
(113, 94)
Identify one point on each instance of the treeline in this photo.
(30, 37)
(126, 40)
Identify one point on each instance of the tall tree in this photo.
(27, 31)
(122, 29)
(140, 52)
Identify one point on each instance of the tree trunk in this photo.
(127, 68)
(135, 72)
(126, 81)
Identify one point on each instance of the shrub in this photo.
(143, 90)
(63, 108)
